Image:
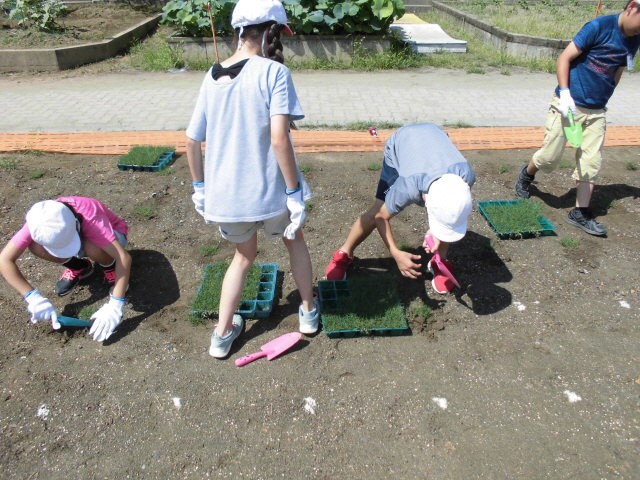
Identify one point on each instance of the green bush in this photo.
(328, 17)
(41, 14)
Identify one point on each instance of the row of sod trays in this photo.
(256, 299)
(147, 158)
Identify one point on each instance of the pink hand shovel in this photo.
(272, 349)
(441, 265)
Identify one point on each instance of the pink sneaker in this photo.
(440, 283)
(110, 276)
(338, 266)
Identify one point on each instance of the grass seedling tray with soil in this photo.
(256, 299)
(147, 158)
(361, 306)
(515, 218)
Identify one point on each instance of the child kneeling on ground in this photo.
(74, 232)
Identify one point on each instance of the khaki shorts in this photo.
(241, 232)
(588, 157)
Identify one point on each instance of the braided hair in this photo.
(254, 33)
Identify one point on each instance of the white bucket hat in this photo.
(448, 204)
(254, 12)
(54, 226)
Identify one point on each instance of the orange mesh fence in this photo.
(116, 143)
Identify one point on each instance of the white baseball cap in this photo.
(54, 226)
(254, 12)
(448, 203)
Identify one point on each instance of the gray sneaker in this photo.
(523, 183)
(220, 346)
(309, 321)
(582, 218)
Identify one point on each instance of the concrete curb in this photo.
(63, 58)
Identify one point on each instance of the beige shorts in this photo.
(588, 157)
(240, 232)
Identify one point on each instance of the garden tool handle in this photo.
(250, 358)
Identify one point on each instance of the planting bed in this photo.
(532, 321)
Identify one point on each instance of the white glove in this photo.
(107, 319)
(198, 197)
(566, 102)
(295, 205)
(41, 309)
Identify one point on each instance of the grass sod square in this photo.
(361, 306)
(257, 295)
(146, 158)
(515, 218)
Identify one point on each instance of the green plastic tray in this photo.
(545, 226)
(162, 162)
(335, 297)
(259, 307)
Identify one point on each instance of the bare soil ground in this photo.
(534, 324)
(82, 23)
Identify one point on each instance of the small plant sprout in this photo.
(631, 165)
(144, 211)
(570, 243)
(613, 204)
(417, 309)
(305, 168)
(209, 249)
(308, 205)
(503, 169)
(86, 312)
(37, 173)
(374, 166)
(8, 164)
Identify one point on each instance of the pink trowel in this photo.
(272, 349)
(441, 265)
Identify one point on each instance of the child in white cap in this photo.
(420, 166)
(248, 178)
(72, 231)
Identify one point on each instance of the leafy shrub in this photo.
(191, 17)
(41, 14)
(328, 17)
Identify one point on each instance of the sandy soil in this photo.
(535, 326)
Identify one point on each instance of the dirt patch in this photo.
(83, 23)
(482, 389)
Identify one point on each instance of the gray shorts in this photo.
(122, 240)
(240, 232)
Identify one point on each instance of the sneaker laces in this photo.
(69, 274)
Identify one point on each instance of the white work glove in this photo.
(198, 197)
(566, 102)
(295, 205)
(107, 318)
(41, 309)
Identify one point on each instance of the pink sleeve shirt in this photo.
(97, 223)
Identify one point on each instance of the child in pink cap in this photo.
(72, 231)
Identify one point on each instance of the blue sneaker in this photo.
(220, 346)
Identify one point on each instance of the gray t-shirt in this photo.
(243, 182)
(414, 157)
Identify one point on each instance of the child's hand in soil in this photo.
(407, 264)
